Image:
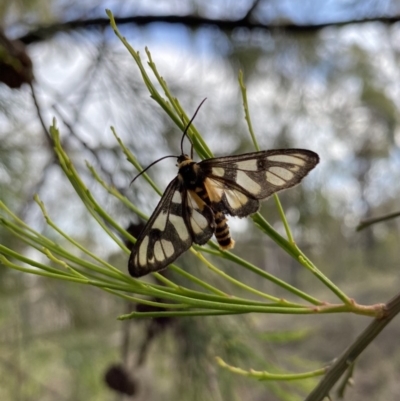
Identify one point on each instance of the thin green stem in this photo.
(195, 137)
(83, 192)
(147, 315)
(243, 90)
(263, 375)
(197, 281)
(146, 301)
(234, 281)
(296, 253)
(9, 252)
(132, 159)
(234, 258)
(254, 139)
(134, 54)
(284, 219)
(44, 272)
(256, 309)
(336, 290)
(42, 244)
(50, 222)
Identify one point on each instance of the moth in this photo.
(195, 204)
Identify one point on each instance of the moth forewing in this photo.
(257, 176)
(180, 219)
(164, 237)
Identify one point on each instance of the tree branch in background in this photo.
(251, 9)
(192, 21)
(392, 308)
(52, 160)
(86, 146)
(40, 117)
(369, 222)
(15, 63)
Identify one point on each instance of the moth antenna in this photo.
(187, 127)
(152, 164)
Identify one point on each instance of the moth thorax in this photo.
(190, 173)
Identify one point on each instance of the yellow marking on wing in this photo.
(214, 190)
(196, 198)
(235, 199)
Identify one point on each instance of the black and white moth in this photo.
(195, 204)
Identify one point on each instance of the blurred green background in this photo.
(320, 75)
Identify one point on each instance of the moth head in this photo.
(183, 160)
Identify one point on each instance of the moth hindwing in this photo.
(195, 203)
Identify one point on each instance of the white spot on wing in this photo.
(274, 180)
(160, 221)
(158, 251)
(246, 182)
(249, 165)
(219, 171)
(143, 251)
(281, 173)
(198, 222)
(177, 198)
(235, 199)
(168, 247)
(297, 159)
(180, 226)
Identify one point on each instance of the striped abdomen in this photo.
(222, 233)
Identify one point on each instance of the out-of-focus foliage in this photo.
(14, 11)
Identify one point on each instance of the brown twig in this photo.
(86, 146)
(392, 308)
(369, 222)
(40, 116)
(50, 162)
